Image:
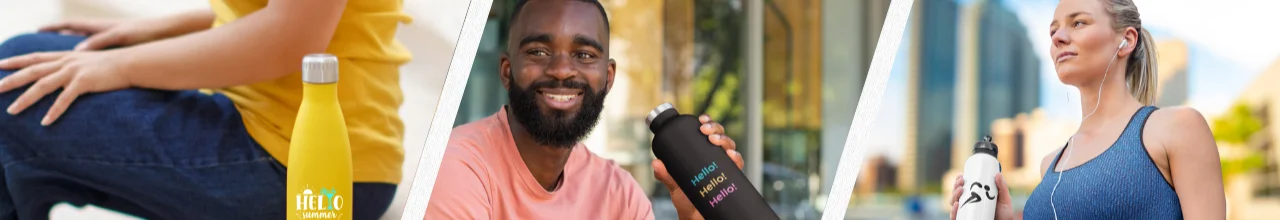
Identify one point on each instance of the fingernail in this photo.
(706, 126)
(717, 137)
(704, 118)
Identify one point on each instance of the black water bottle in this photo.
(703, 171)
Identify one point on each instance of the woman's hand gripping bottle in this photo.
(979, 199)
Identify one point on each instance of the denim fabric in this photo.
(149, 153)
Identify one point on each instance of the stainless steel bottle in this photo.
(703, 170)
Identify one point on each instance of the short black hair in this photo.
(520, 5)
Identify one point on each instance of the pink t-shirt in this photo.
(483, 177)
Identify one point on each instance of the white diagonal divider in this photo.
(868, 103)
(464, 54)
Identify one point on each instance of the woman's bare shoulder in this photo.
(1180, 114)
(1178, 127)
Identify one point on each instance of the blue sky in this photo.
(1220, 64)
(1227, 52)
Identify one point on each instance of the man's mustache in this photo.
(545, 84)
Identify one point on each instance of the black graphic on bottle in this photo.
(709, 179)
(974, 197)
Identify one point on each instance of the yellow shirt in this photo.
(368, 89)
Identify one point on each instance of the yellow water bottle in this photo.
(319, 179)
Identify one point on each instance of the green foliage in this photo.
(718, 51)
(722, 101)
(1242, 165)
(1237, 125)
(724, 105)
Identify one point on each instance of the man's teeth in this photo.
(561, 98)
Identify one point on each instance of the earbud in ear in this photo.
(1123, 43)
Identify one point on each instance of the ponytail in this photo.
(1141, 70)
(1141, 73)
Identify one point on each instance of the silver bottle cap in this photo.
(320, 68)
(654, 114)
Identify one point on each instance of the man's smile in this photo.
(563, 99)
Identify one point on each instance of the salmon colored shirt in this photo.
(483, 177)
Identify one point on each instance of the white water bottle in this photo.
(979, 199)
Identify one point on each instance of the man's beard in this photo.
(556, 128)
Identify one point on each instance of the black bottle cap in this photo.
(985, 146)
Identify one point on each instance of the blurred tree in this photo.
(1237, 125)
(718, 37)
(1235, 128)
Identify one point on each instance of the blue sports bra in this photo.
(1121, 183)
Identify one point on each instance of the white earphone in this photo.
(1071, 140)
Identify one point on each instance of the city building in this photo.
(878, 175)
(971, 64)
(1258, 192)
(1008, 67)
(931, 91)
(1172, 73)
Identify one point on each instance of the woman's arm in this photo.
(266, 44)
(169, 26)
(189, 22)
(1194, 165)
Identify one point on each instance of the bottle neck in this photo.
(322, 93)
(661, 118)
(986, 151)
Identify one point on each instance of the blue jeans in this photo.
(149, 153)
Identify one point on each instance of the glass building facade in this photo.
(935, 94)
(1009, 73)
(972, 63)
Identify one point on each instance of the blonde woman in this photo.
(1129, 159)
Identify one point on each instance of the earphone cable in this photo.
(1071, 141)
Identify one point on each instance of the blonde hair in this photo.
(1141, 70)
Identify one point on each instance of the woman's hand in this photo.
(81, 27)
(75, 72)
(112, 33)
(108, 33)
(1004, 205)
(715, 132)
